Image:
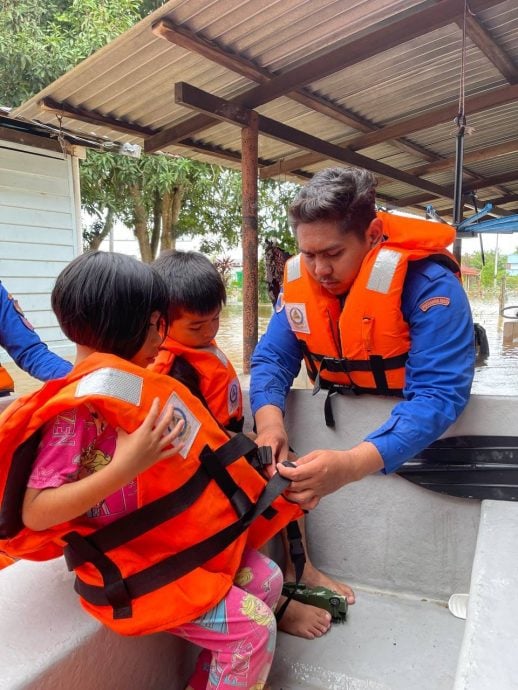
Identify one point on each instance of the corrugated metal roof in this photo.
(384, 79)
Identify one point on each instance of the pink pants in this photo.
(238, 634)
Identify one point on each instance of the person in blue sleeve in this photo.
(372, 304)
(23, 344)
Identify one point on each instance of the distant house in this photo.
(470, 277)
(511, 265)
(40, 226)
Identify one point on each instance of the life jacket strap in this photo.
(152, 514)
(175, 566)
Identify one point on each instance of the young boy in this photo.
(189, 352)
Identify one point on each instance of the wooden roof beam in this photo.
(473, 104)
(94, 118)
(195, 43)
(486, 43)
(228, 111)
(408, 24)
(469, 157)
(446, 113)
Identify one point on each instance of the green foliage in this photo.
(487, 268)
(42, 39)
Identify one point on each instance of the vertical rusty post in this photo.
(249, 153)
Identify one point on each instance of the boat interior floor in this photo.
(389, 641)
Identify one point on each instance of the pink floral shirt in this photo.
(76, 443)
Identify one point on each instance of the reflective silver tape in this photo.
(293, 270)
(216, 351)
(383, 271)
(112, 382)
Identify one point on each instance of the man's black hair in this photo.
(345, 195)
(193, 282)
(104, 300)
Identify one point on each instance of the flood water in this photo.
(498, 375)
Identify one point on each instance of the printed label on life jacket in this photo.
(113, 383)
(233, 398)
(383, 271)
(297, 317)
(191, 424)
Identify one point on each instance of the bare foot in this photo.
(304, 620)
(312, 577)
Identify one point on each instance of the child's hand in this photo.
(148, 444)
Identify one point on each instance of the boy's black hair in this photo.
(192, 281)
(104, 300)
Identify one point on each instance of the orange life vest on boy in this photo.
(6, 382)
(217, 379)
(363, 346)
(174, 557)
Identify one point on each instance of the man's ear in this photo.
(374, 232)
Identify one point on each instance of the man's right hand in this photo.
(271, 432)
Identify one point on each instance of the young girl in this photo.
(158, 539)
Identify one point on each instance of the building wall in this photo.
(39, 230)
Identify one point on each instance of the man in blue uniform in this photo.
(23, 344)
(345, 257)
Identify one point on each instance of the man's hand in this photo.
(321, 472)
(271, 432)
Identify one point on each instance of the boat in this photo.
(403, 547)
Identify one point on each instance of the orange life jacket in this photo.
(174, 557)
(363, 346)
(218, 382)
(6, 382)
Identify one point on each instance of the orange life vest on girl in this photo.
(174, 557)
(218, 382)
(6, 382)
(363, 346)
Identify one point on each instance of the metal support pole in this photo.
(457, 193)
(249, 174)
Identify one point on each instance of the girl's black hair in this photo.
(192, 281)
(104, 300)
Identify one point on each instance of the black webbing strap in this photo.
(309, 359)
(114, 588)
(298, 558)
(343, 365)
(175, 566)
(237, 497)
(151, 515)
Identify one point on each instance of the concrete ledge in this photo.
(50, 643)
(488, 657)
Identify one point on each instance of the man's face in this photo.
(333, 258)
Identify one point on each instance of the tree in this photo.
(42, 39)
(160, 197)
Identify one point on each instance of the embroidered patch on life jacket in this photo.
(114, 383)
(297, 317)
(233, 396)
(191, 424)
(17, 307)
(445, 301)
(279, 305)
(383, 271)
(293, 270)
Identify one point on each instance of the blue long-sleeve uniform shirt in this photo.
(24, 345)
(438, 374)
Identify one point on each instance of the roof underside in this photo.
(368, 82)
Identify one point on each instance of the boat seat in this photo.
(50, 643)
(492, 616)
